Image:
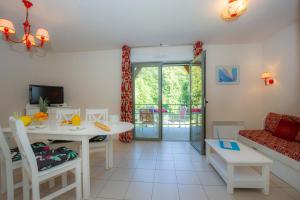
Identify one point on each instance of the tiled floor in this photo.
(164, 171)
(174, 133)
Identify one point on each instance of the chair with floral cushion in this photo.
(8, 163)
(98, 143)
(40, 166)
(10, 160)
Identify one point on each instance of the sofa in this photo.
(283, 149)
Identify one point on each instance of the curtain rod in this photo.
(160, 45)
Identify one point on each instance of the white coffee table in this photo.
(236, 167)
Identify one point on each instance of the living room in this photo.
(84, 57)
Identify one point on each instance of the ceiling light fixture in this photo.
(234, 8)
(8, 29)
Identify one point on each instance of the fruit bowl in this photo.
(40, 117)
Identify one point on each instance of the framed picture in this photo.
(228, 75)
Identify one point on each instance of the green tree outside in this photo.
(175, 87)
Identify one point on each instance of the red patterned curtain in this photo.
(126, 94)
(198, 48)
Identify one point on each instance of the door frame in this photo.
(160, 66)
(201, 60)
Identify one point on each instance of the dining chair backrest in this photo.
(66, 113)
(182, 112)
(4, 148)
(21, 138)
(147, 116)
(93, 115)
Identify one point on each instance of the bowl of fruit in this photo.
(40, 117)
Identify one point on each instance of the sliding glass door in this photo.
(147, 100)
(169, 101)
(198, 103)
(176, 102)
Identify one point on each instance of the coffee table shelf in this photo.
(237, 171)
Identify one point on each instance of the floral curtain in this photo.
(198, 48)
(126, 94)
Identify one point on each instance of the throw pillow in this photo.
(272, 121)
(297, 119)
(298, 136)
(287, 129)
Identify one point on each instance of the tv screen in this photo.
(54, 94)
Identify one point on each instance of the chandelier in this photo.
(8, 29)
(234, 8)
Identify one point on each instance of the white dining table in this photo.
(52, 131)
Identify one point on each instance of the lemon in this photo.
(76, 120)
(26, 120)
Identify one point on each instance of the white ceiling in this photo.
(86, 25)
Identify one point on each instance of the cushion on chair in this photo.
(59, 141)
(51, 158)
(287, 129)
(98, 138)
(36, 147)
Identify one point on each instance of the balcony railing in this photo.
(173, 115)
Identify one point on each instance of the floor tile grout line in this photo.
(177, 186)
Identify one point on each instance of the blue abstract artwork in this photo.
(227, 75)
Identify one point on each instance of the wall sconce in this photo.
(266, 76)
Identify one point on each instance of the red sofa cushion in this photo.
(297, 138)
(285, 147)
(297, 119)
(287, 129)
(272, 120)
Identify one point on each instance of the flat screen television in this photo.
(54, 94)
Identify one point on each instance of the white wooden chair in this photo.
(66, 113)
(91, 116)
(30, 168)
(8, 165)
(61, 115)
(7, 168)
(182, 115)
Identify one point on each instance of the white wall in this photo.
(240, 102)
(166, 54)
(18, 69)
(281, 57)
(90, 79)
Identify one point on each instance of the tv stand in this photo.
(31, 109)
(59, 106)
